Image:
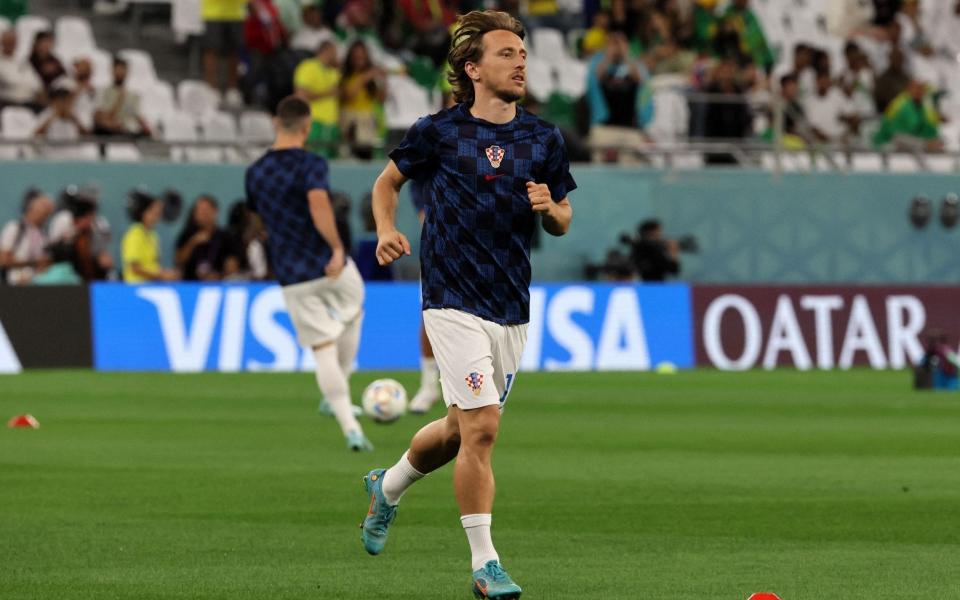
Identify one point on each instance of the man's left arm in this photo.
(556, 214)
(549, 198)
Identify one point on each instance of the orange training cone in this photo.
(23, 421)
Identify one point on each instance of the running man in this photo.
(491, 170)
(322, 288)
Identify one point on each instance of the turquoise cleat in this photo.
(326, 410)
(493, 582)
(378, 519)
(358, 442)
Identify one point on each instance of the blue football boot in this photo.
(381, 514)
(493, 582)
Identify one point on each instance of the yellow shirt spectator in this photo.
(223, 10)
(540, 8)
(595, 40)
(363, 101)
(315, 77)
(140, 245)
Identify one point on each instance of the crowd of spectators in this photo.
(339, 55)
(67, 103)
(68, 241)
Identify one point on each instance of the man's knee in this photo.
(478, 427)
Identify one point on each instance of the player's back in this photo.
(277, 187)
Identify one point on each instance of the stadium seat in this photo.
(687, 161)
(102, 64)
(77, 152)
(866, 163)
(407, 101)
(541, 81)
(186, 19)
(902, 163)
(939, 163)
(197, 98)
(217, 127)
(256, 132)
(123, 153)
(573, 77)
(140, 70)
(256, 127)
(789, 161)
(17, 123)
(74, 37)
(27, 27)
(157, 102)
(179, 127)
(548, 45)
(671, 113)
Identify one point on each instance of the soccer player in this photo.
(491, 170)
(321, 287)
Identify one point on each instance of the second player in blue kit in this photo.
(489, 170)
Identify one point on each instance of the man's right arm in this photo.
(391, 244)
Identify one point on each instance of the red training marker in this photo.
(764, 596)
(23, 421)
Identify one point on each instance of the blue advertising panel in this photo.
(245, 327)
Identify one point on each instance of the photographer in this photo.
(23, 242)
(653, 256)
(86, 234)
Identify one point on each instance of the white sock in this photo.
(347, 345)
(336, 390)
(429, 375)
(478, 534)
(398, 478)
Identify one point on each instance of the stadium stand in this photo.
(679, 42)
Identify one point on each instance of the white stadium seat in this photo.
(407, 101)
(79, 152)
(123, 153)
(573, 77)
(902, 163)
(256, 127)
(939, 163)
(140, 70)
(197, 98)
(18, 123)
(548, 45)
(179, 127)
(256, 131)
(157, 102)
(74, 37)
(102, 64)
(540, 78)
(866, 163)
(217, 127)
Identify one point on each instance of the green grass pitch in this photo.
(702, 485)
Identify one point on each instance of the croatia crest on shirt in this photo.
(495, 156)
(475, 382)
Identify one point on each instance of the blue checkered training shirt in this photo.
(277, 186)
(475, 243)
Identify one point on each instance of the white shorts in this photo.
(321, 308)
(478, 359)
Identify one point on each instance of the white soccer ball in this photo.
(385, 400)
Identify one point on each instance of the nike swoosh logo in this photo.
(492, 177)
